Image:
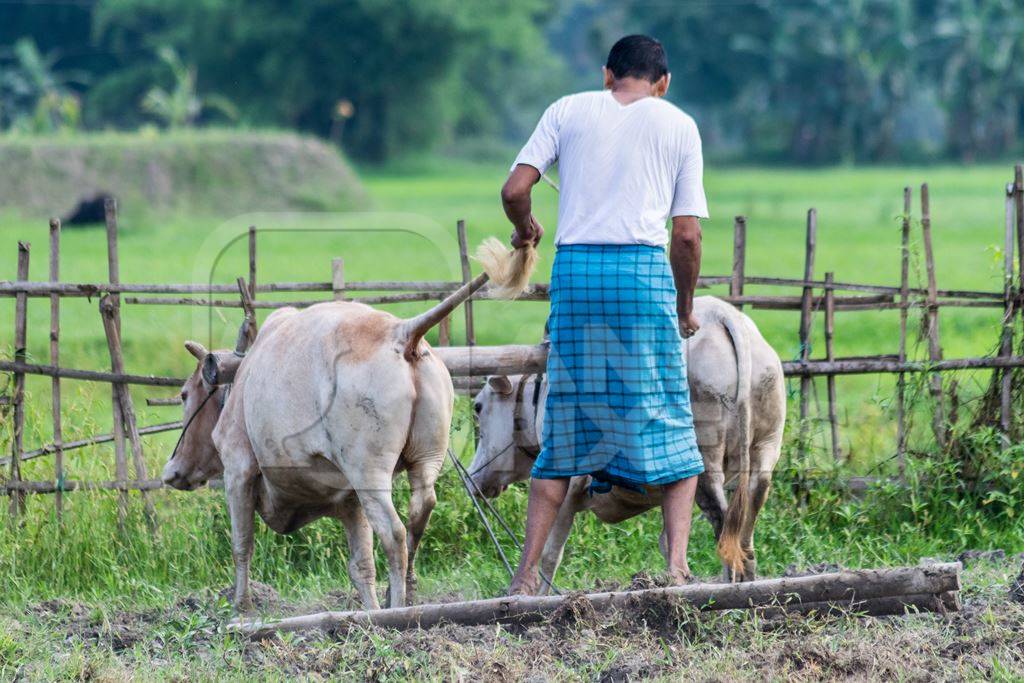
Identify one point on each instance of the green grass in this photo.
(409, 234)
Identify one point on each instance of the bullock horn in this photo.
(247, 332)
(196, 349)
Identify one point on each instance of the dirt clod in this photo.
(794, 570)
(1017, 587)
(969, 557)
(574, 612)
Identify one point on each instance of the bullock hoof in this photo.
(680, 577)
(524, 586)
(245, 607)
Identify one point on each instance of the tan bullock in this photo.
(326, 407)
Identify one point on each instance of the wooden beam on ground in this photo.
(823, 590)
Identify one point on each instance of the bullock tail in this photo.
(730, 547)
(509, 270)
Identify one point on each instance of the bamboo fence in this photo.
(469, 363)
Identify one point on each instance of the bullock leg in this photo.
(711, 500)
(422, 499)
(711, 497)
(361, 568)
(240, 488)
(375, 496)
(760, 487)
(554, 547)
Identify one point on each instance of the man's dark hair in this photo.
(638, 57)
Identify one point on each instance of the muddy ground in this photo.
(185, 640)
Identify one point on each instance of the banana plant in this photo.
(181, 106)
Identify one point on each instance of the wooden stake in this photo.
(932, 321)
(1006, 341)
(123, 400)
(252, 261)
(18, 398)
(830, 315)
(114, 276)
(444, 331)
(901, 379)
(739, 257)
(58, 430)
(467, 275)
(845, 588)
(338, 278)
(805, 327)
(1018, 185)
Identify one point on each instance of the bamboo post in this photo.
(739, 257)
(1018, 185)
(252, 261)
(901, 379)
(444, 330)
(1006, 342)
(58, 430)
(932, 320)
(805, 326)
(467, 275)
(18, 397)
(123, 400)
(830, 316)
(114, 276)
(338, 278)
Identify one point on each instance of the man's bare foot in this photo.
(524, 584)
(680, 576)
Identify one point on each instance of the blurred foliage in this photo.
(808, 82)
(34, 98)
(181, 106)
(415, 73)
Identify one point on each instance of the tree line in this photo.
(811, 81)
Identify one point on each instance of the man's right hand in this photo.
(688, 325)
(534, 234)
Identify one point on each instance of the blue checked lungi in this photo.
(618, 406)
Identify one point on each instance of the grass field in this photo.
(408, 233)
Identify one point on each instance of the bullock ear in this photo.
(196, 349)
(209, 372)
(500, 384)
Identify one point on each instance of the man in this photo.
(618, 406)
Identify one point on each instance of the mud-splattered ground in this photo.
(185, 640)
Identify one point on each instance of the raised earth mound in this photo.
(219, 172)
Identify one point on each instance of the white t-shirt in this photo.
(623, 169)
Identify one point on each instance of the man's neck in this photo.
(627, 90)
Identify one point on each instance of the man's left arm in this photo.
(684, 257)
